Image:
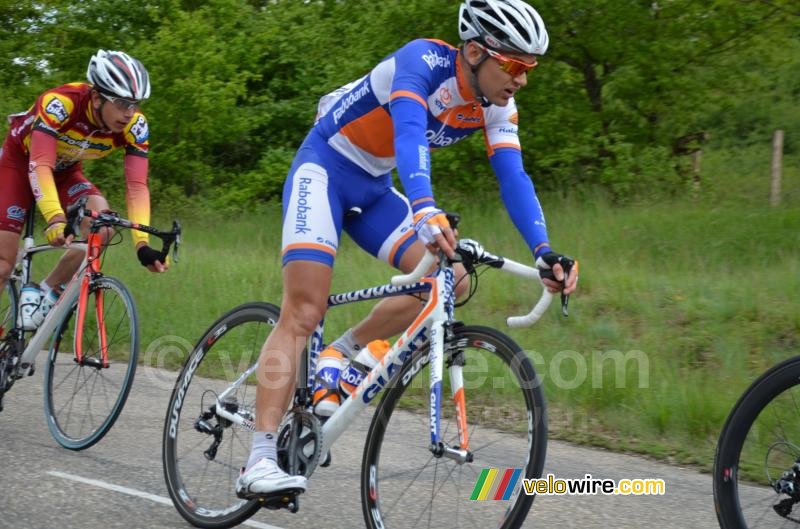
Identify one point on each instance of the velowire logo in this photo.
(496, 484)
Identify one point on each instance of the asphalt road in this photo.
(119, 482)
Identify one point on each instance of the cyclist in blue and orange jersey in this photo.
(425, 95)
(42, 157)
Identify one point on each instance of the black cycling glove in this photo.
(148, 256)
(549, 259)
(546, 262)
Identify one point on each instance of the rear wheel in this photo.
(202, 452)
(8, 308)
(83, 400)
(8, 346)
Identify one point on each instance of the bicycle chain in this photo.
(9, 360)
(226, 465)
(778, 507)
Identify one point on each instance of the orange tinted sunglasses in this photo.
(513, 67)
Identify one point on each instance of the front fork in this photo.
(440, 332)
(95, 244)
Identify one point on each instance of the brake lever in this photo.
(176, 230)
(547, 273)
(75, 215)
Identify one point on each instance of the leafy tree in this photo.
(236, 83)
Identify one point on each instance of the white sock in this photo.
(347, 344)
(44, 287)
(265, 444)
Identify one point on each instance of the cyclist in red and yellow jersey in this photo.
(41, 158)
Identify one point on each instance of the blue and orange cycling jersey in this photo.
(418, 99)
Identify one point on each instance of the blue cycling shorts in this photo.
(326, 192)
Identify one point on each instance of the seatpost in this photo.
(28, 243)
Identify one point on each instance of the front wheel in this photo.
(404, 485)
(757, 463)
(83, 399)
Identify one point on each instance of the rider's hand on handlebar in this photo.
(55, 231)
(153, 260)
(434, 231)
(564, 269)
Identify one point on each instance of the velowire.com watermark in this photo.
(500, 484)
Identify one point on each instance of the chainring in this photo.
(299, 442)
(7, 363)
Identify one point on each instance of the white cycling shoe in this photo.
(265, 477)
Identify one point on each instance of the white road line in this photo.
(139, 494)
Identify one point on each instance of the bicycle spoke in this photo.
(433, 495)
(242, 444)
(85, 399)
(409, 471)
(760, 441)
(77, 389)
(495, 444)
(430, 511)
(402, 493)
(211, 483)
(192, 448)
(64, 379)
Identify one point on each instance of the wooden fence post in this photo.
(696, 157)
(777, 155)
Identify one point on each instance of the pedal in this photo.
(284, 500)
(288, 501)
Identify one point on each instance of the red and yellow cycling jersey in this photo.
(66, 114)
(61, 130)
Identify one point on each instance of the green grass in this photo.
(704, 288)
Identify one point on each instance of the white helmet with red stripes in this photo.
(510, 25)
(118, 74)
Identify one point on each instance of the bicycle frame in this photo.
(59, 310)
(430, 326)
(81, 281)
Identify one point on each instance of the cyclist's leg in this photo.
(385, 230)
(9, 245)
(16, 199)
(311, 225)
(305, 290)
(305, 286)
(71, 186)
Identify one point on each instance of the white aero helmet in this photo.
(118, 74)
(510, 25)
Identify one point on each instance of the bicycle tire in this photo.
(112, 382)
(747, 432)
(8, 307)
(379, 501)
(8, 322)
(205, 501)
